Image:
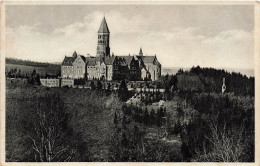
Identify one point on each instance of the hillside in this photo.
(28, 66)
(174, 70)
(209, 80)
(91, 117)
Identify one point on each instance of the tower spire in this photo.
(103, 48)
(103, 27)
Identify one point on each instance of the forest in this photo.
(208, 80)
(26, 62)
(197, 123)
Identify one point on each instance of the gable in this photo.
(91, 61)
(67, 61)
(78, 61)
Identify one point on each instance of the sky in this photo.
(180, 35)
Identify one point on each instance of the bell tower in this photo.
(103, 48)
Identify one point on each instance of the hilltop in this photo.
(199, 79)
(26, 67)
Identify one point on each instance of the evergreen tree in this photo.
(92, 85)
(108, 90)
(152, 117)
(34, 72)
(124, 140)
(37, 79)
(146, 116)
(123, 91)
(115, 119)
(99, 85)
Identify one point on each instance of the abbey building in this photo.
(110, 67)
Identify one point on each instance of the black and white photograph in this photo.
(128, 82)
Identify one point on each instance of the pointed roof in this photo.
(108, 60)
(103, 27)
(68, 61)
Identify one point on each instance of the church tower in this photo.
(103, 48)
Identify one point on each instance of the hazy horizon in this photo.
(186, 36)
(173, 70)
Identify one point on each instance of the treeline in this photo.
(18, 73)
(27, 62)
(235, 82)
(143, 116)
(32, 78)
(208, 80)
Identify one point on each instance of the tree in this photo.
(115, 119)
(38, 80)
(123, 91)
(177, 127)
(99, 85)
(158, 118)
(46, 126)
(92, 85)
(152, 117)
(34, 72)
(108, 90)
(146, 116)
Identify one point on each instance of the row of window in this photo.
(133, 72)
(102, 42)
(71, 67)
(100, 36)
(74, 71)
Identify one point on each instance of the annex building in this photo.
(110, 67)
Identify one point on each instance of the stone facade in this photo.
(50, 82)
(110, 67)
(67, 82)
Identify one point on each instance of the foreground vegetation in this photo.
(193, 124)
(83, 119)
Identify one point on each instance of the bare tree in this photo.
(225, 145)
(47, 126)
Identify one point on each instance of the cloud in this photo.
(176, 46)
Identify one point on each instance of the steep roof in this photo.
(68, 61)
(147, 59)
(103, 27)
(91, 61)
(127, 59)
(83, 57)
(109, 60)
(124, 60)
